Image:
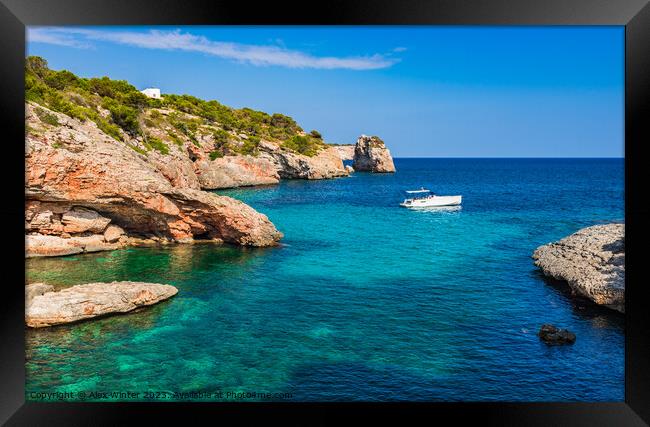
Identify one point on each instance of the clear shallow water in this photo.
(365, 300)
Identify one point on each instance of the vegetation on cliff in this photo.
(121, 111)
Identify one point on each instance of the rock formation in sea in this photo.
(371, 154)
(46, 307)
(553, 335)
(80, 181)
(591, 261)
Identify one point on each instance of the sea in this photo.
(364, 300)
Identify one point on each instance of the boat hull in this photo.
(432, 202)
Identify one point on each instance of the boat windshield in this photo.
(421, 190)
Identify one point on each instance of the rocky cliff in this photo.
(591, 261)
(371, 154)
(193, 143)
(346, 152)
(85, 191)
(323, 165)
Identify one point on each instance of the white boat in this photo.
(430, 200)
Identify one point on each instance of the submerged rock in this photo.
(591, 261)
(45, 307)
(371, 154)
(551, 334)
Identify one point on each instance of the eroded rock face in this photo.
(324, 165)
(77, 171)
(371, 154)
(80, 220)
(236, 171)
(45, 307)
(346, 152)
(591, 261)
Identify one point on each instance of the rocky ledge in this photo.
(86, 191)
(371, 154)
(591, 261)
(46, 307)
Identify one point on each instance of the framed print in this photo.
(364, 209)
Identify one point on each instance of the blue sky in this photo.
(427, 91)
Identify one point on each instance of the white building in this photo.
(152, 92)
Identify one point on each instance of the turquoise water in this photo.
(364, 300)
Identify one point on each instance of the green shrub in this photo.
(47, 117)
(303, 144)
(184, 128)
(138, 149)
(215, 154)
(157, 144)
(175, 139)
(58, 103)
(250, 146)
(122, 115)
(315, 134)
(60, 79)
(37, 65)
(221, 138)
(112, 88)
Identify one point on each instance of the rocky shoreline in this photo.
(46, 307)
(592, 263)
(87, 192)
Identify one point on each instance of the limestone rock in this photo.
(113, 233)
(178, 169)
(591, 261)
(77, 165)
(550, 334)
(38, 245)
(349, 168)
(79, 220)
(34, 289)
(371, 154)
(324, 165)
(236, 171)
(92, 300)
(346, 152)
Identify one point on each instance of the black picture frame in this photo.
(633, 14)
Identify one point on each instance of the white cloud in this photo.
(39, 35)
(258, 55)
